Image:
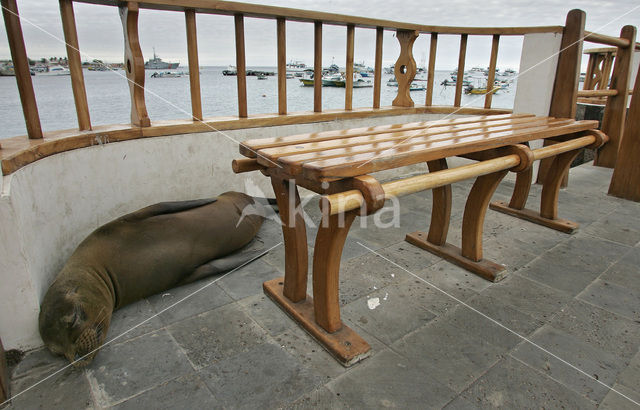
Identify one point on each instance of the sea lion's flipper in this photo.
(163, 208)
(224, 264)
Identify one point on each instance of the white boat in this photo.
(167, 74)
(56, 70)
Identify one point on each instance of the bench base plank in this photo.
(559, 224)
(344, 344)
(484, 268)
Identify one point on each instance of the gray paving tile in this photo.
(601, 365)
(630, 377)
(614, 298)
(449, 354)
(38, 361)
(486, 329)
(267, 314)
(387, 314)
(264, 377)
(626, 271)
(408, 256)
(538, 301)
(201, 296)
(617, 227)
(123, 370)
(68, 389)
(216, 335)
(460, 403)
(389, 380)
(513, 385)
(365, 274)
(573, 264)
(183, 392)
(505, 253)
(453, 279)
(321, 398)
(426, 296)
(248, 280)
(135, 319)
(532, 238)
(309, 352)
(622, 398)
(600, 328)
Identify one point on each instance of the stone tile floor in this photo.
(228, 346)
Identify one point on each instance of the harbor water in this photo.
(169, 98)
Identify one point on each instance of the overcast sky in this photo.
(100, 32)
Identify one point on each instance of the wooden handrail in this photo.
(273, 12)
(604, 39)
(597, 93)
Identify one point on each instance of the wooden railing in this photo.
(141, 124)
(608, 81)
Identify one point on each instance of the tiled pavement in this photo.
(228, 346)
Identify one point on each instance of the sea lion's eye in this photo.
(74, 320)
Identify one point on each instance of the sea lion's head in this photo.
(73, 321)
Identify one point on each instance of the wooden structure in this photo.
(625, 182)
(338, 164)
(4, 376)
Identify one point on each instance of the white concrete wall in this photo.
(48, 207)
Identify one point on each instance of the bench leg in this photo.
(548, 215)
(470, 255)
(320, 315)
(295, 238)
(441, 210)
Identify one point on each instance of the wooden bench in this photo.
(339, 164)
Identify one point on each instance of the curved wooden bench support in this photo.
(561, 155)
(295, 238)
(470, 255)
(441, 209)
(326, 268)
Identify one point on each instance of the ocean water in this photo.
(169, 98)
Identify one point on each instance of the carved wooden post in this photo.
(21, 68)
(134, 64)
(405, 68)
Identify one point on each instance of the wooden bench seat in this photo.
(338, 164)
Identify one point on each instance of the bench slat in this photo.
(249, 148)
(366, 163)
(344, 142)
(293, 163)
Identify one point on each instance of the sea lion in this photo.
(138, 255)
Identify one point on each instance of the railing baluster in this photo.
(348, 85)
(194, 65)
(134, 64)
(282, 66)
(317, 67)
(377, 75)
(433, 48)
(241, 66)
(21, 68)
(460, 78)
(405, 68)
(491, 78)
(75, 65)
